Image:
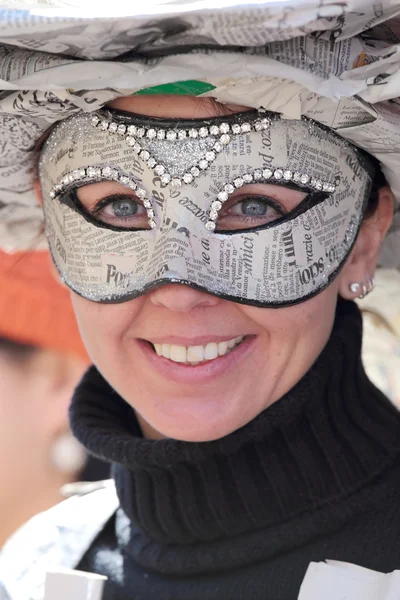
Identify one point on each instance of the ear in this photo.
(361, 264)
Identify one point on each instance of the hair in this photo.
(17, 351)
(379, 181)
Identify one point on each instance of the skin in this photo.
(40, 386)
(284, 342)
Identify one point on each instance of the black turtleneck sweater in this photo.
(316, 476)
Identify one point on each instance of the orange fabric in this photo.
(34, 307)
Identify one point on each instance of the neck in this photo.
(147, 430)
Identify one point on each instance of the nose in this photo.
(181, 298)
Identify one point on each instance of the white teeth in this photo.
(196, 354)
(211, 351)
(222, 348)
(177, 353)
(166, 350)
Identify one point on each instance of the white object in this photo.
(53, 540)
(67, 454)
(381, 339)
(67, 584)
(335, 580)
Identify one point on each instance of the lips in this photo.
(196, 373)
(195, 354)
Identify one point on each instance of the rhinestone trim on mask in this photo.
(222, 132)
(97, 174)
(262, 176)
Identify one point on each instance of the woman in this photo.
(214, 252)
(42, 360)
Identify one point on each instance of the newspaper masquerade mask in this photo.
(250, 207)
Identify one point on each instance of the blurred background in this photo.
(42, 359)
(381, 341)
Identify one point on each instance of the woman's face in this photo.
(242, 359)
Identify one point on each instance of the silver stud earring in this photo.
(364, 291)
(354, 287)
(365, 288)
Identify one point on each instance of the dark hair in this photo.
(378, 182)
(16, 350)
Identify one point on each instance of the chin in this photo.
(197, 433)
(203, 421)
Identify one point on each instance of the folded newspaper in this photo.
(334, 580)
(336, 62)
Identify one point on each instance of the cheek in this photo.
(295, 336)
(300, 319)
(103, 326)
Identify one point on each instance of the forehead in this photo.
(175, 107)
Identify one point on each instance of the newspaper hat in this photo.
(337, 63)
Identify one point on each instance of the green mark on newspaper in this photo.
(182, 88)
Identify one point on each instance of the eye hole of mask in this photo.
(113, 204)
(258, 205)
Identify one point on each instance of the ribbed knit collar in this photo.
(326, 439)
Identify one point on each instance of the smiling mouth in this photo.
(195, 355)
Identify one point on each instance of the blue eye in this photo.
(123, 211)
(125, 207)
(254, 207)
(111, 203)
(248, 211)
